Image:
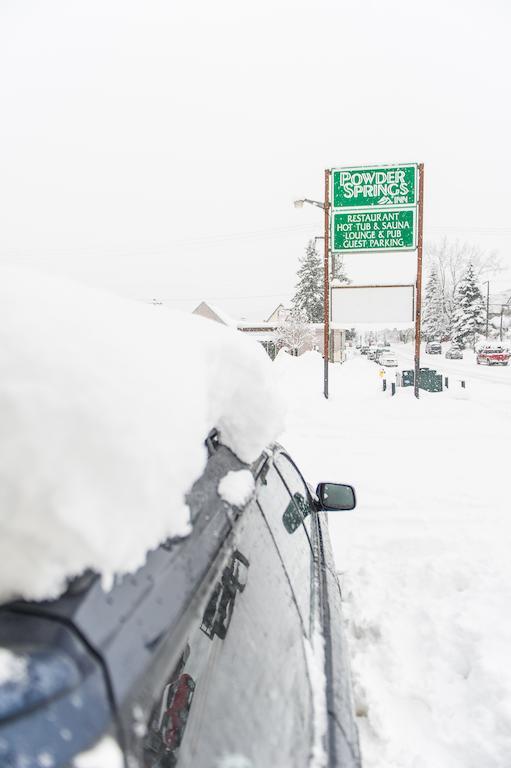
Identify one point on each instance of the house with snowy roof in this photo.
(263, 331)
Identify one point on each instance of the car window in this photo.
(240, 666)
(285, 511)
(296, 487)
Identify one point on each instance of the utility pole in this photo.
(325, 206)
(418, 301)
(487, 283)
(326, 287)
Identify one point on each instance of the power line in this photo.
(226, 298)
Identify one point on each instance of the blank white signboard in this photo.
(364, 304)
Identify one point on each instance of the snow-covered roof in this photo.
(221, 316)
(245, 325)
(105, 404)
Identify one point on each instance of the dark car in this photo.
(201, 653)
(433, 348)
(454, 353)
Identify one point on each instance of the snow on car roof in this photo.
(105, 404)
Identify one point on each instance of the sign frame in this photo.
(413, 306)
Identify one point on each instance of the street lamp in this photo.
(325, 206)
(300, 203)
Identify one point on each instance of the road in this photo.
(459, 369)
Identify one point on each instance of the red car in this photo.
(493, 356)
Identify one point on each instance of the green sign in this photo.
(382, 230)
(367, 186)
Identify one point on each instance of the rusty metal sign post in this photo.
(326, 287)
(418, 302)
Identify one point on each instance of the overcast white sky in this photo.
(156, 147)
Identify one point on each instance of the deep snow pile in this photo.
(426, 570)
(105, 404)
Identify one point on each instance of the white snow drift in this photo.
(104, 407)
(426, 571)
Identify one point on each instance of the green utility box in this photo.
(407, 378)
(430, 380)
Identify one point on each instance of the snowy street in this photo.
(466, 368)
(424, 559)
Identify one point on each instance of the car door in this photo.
(240, 687)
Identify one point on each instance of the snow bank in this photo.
(426, 572)
(104, 407)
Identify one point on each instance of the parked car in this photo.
(202, 652)
(454, 353)
(388, 360)
(379, 352)
(371, 354)
(494, 355)
(433, 348)
(364, 350)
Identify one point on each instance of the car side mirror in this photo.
(336, 496)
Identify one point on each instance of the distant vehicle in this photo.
(388, 360)
(387, 344)
(493, 356)
(454, 353)
(379, 352)
(433, 348)
(364, 350)
(371, 354)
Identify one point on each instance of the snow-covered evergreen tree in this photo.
(338, 271)
(469, 314)
(434, 320)
(308, 298)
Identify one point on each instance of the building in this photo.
(263, 331)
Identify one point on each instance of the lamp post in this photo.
(325, 206)
(487, 284)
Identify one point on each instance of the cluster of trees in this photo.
(453, 305)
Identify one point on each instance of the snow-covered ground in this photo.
(424, 559)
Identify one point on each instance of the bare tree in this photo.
(451, 260)
(406, 335)
(295, 333)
